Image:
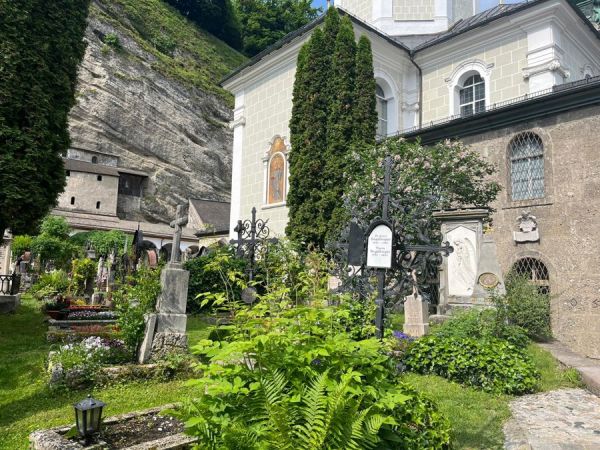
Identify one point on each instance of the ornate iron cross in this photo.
(251, 234)
(411, 265)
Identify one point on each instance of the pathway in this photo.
(565, 419)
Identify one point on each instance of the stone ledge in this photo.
(588, 368)
(52, 439)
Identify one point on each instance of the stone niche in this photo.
(471, 272)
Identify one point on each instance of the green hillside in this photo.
(182, 51)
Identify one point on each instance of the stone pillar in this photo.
(416, 316)
(6, 247)
(165, 330)
(469, 272)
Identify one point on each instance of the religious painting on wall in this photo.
(276, 178)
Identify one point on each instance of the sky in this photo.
(321, 3)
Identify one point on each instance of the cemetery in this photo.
(353, 284)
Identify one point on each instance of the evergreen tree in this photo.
(365, 108)
(331, 78)
(218, 17)
(308, 129)
(340, 126)
(41, 43)
(263, 22)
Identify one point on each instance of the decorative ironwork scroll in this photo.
(415, 258)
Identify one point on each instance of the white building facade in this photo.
(433, 60)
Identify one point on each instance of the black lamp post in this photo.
(88, 417)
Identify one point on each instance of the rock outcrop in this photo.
(174, 131)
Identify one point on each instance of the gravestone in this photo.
(472, 271)
(416, 316)
(165, 330)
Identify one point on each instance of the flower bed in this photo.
(86, 314)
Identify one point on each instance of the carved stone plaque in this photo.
(462, 263)
(488, 280)
(379, 247)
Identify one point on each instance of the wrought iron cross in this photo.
(178, 223)
(250, 236)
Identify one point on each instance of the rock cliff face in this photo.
(171, 127)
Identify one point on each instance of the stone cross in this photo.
(178, 223)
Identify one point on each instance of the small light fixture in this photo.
(88, 417)
(89, 251)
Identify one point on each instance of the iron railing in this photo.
(10, 284)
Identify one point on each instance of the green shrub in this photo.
(492, 365)
(219, 273)
(133, 300)
(21, 244)
(527, 307)
(482, 324)
(294, 378)
(50, 284)
(84, 271)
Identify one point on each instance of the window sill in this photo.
(273, 205)
(520, 204)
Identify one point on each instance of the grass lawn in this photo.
(477, 417)
(26, 404)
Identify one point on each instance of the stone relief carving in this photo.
(528, 228)
(462, 264)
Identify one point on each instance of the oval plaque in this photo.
(488, 280)
(379, 247)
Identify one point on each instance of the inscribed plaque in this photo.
(379, 247)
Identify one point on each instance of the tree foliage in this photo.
(264, 22)
(41, 46)
(322, 127)
(423, 179)
(218, 17)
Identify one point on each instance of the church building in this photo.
(517, 81)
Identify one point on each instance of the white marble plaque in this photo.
(379, 247)
(462, 263)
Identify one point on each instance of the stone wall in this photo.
(413, 9)
(88, 190)
(567, 218)
(359, 8)
(503, 60)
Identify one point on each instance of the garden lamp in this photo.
(90, 251)
(88, 417)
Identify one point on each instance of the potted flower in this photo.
(57, 308)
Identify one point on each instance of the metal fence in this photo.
(10, 284)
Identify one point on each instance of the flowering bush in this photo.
(423, 179)
(92, 315)
(83, 359)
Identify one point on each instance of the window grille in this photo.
(472, 96)
(527, 166)
(382, 112)
(535, 271)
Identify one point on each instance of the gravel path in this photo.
(566, 419)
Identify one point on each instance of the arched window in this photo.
(472, 96)
(382, 112)
(276, 172)
(535, 271)
(526, 153)
(94, 160)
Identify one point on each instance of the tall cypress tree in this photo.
(308, 128)
(340, 126)
(41, 43)
(365, 108)
(328, 83)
